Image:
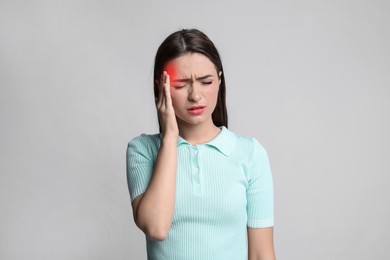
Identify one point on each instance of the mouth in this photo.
(196, 110)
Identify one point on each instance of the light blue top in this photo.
(222, 187)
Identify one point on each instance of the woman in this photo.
(198, 190)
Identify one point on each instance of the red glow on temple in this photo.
(171, 70)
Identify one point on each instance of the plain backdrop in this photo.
(309, 79)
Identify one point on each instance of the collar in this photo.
(224, 141)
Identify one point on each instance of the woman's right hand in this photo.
(165, 109)
(153, 210)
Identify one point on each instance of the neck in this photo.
(198, 134)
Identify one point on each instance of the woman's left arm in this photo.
(261, 244)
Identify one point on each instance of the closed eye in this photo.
(207, 82)
(178, 86)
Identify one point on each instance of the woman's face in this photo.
(194, 88)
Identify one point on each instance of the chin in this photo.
(192, 121)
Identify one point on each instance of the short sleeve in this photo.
(139, 164)
(260, 197)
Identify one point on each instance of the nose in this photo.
(194, 93)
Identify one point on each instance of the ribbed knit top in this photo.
(222, 187)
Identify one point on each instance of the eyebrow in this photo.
(187, 80)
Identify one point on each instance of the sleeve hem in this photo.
(260, 223)
(136, 194)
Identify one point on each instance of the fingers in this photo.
(164, 100)
(160, 92)
(167, 86)
(165, 109)
(163, 90)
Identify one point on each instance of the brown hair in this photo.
(192, 41)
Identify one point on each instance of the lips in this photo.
(196, 110)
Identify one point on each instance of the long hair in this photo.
(192, 41)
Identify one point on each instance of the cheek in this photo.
(213, 93)
(176, 100)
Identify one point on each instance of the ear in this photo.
(219, 77)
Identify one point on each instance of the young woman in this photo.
(198, 190)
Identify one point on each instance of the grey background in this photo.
(309, 79)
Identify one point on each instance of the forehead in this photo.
(190, 64)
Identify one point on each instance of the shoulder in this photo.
(145, 138)
(249, 145)
(145, 142)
